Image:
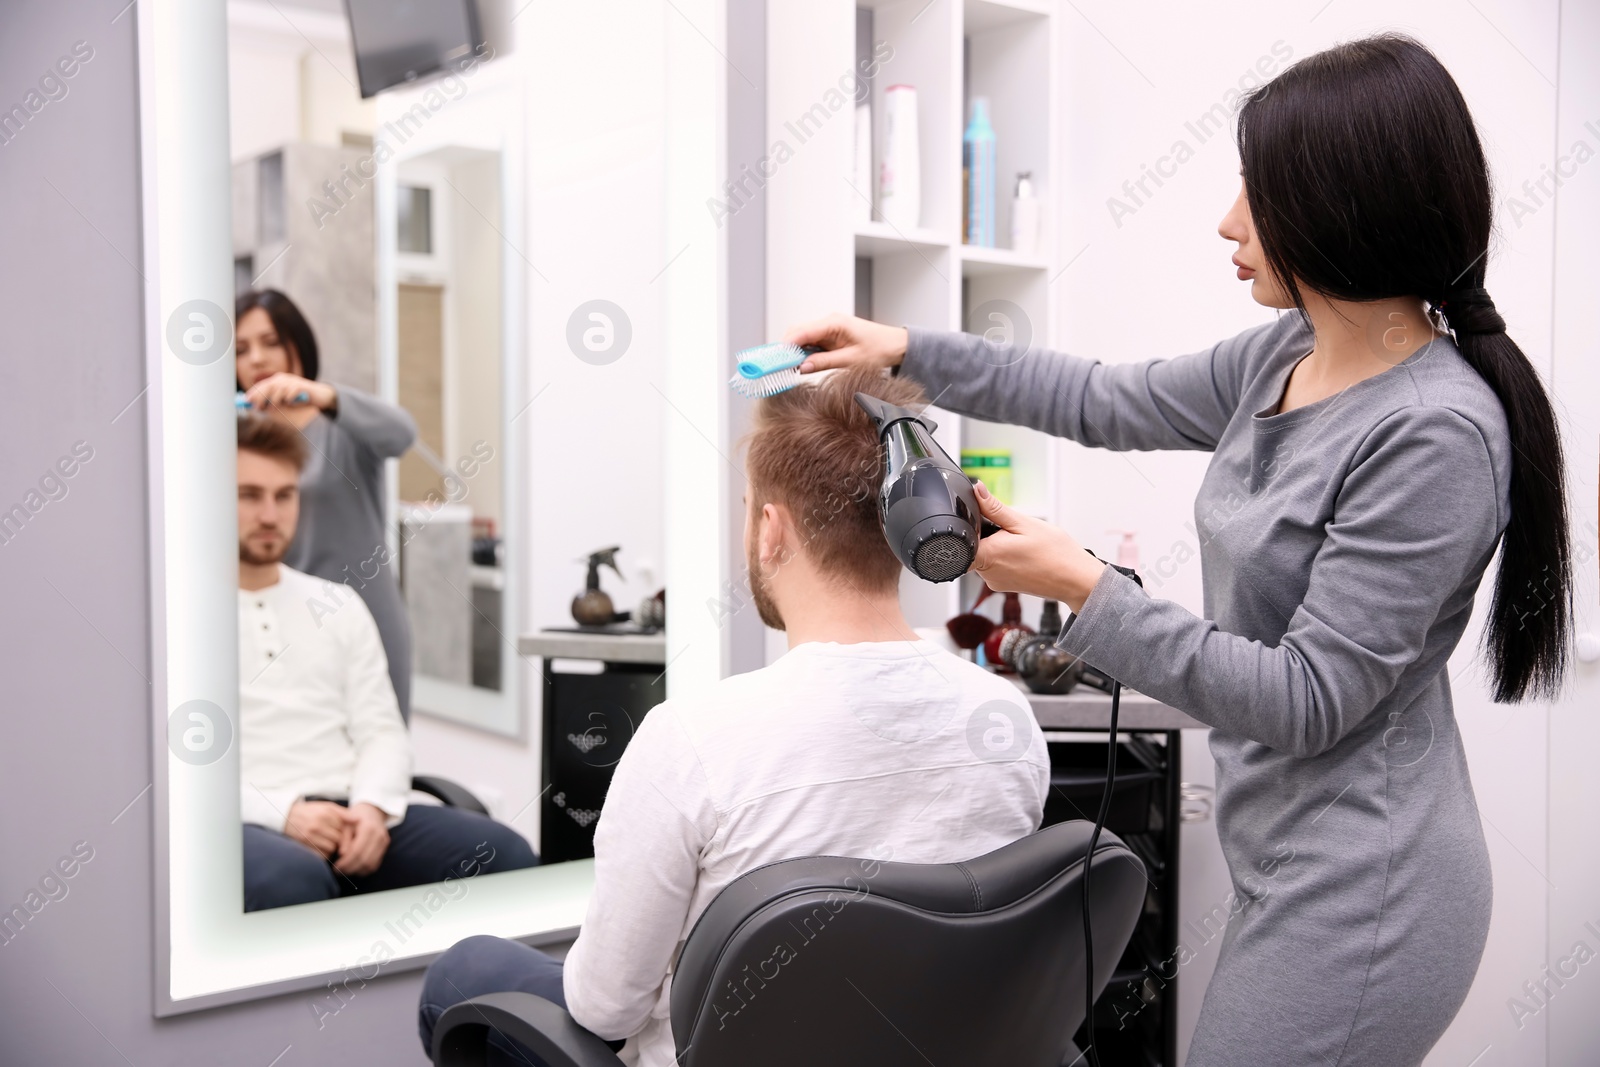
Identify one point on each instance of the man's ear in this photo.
(776, 542)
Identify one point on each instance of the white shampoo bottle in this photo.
(863, 168)
(900, 183)
(1025, 217)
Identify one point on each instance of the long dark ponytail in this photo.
(1366, 180)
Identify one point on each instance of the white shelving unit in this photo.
(951, 51)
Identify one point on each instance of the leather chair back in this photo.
(849, 961)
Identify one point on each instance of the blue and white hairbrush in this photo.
(767, 370)
(241, 402)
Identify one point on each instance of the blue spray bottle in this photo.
(977, 158)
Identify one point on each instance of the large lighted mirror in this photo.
(399, 632)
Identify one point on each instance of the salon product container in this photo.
(978, 163)
(900, 179)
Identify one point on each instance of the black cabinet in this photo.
(1136, 1017)
(588, 721)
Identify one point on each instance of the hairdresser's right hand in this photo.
(850, 342)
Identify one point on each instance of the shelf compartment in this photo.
(979, 16)
(926, 55)
(1032, 470)
(1007, 49)
(1077, 781)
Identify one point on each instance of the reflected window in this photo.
(414, 219)
(270, 222)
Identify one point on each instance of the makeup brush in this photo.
(969, 629)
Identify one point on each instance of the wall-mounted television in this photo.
(399, 41)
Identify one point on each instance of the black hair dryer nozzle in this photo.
(928, 507)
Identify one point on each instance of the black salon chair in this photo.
(827, 960)
(450, 794)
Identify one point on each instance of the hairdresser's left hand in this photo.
(1028, 555)
(283, 390)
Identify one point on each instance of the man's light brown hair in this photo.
(272, 437)
(815, 451)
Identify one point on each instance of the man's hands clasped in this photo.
(353, 838)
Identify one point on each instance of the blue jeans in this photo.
(484, 964)
(428, 845)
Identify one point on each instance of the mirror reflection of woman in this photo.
(350, 434)
(1370, 449)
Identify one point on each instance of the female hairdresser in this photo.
(341, 532)
(1365, 465)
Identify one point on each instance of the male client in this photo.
(853, 743)
(324, 757)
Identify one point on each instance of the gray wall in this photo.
(747, 292)
(75, 983)
(328, 270)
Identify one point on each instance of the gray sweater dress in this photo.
(1341, 545)
(341, 533)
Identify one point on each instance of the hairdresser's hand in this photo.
(318, 824)
(1028, 555)
(365, 840)
(850, 342)
(284, 389)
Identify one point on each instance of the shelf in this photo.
(977, 259)
(978, 16)
(882, 239)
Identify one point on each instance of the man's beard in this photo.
(766, 607)
(261, 559)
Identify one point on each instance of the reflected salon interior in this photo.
(669, 533)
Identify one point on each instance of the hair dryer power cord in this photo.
(1094, 840)
(1088, 865)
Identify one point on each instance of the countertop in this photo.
(1082, 709)
(1089, 709)
(612, 648)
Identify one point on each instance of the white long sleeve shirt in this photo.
(317, 712)
(890, 750)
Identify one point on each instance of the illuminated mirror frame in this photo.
(208, 951)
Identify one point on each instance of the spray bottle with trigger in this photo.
(593, 606)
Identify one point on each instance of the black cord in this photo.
(1088, 863)
(1094, 839)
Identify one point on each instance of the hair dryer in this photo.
(927, 505)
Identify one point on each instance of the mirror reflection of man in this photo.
(325, 759)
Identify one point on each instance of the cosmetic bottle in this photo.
(900, 181)
(1127, 549)
(1050, 620)
(977, 156)
(1024, 217)
(863, 168)
(992, 466)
